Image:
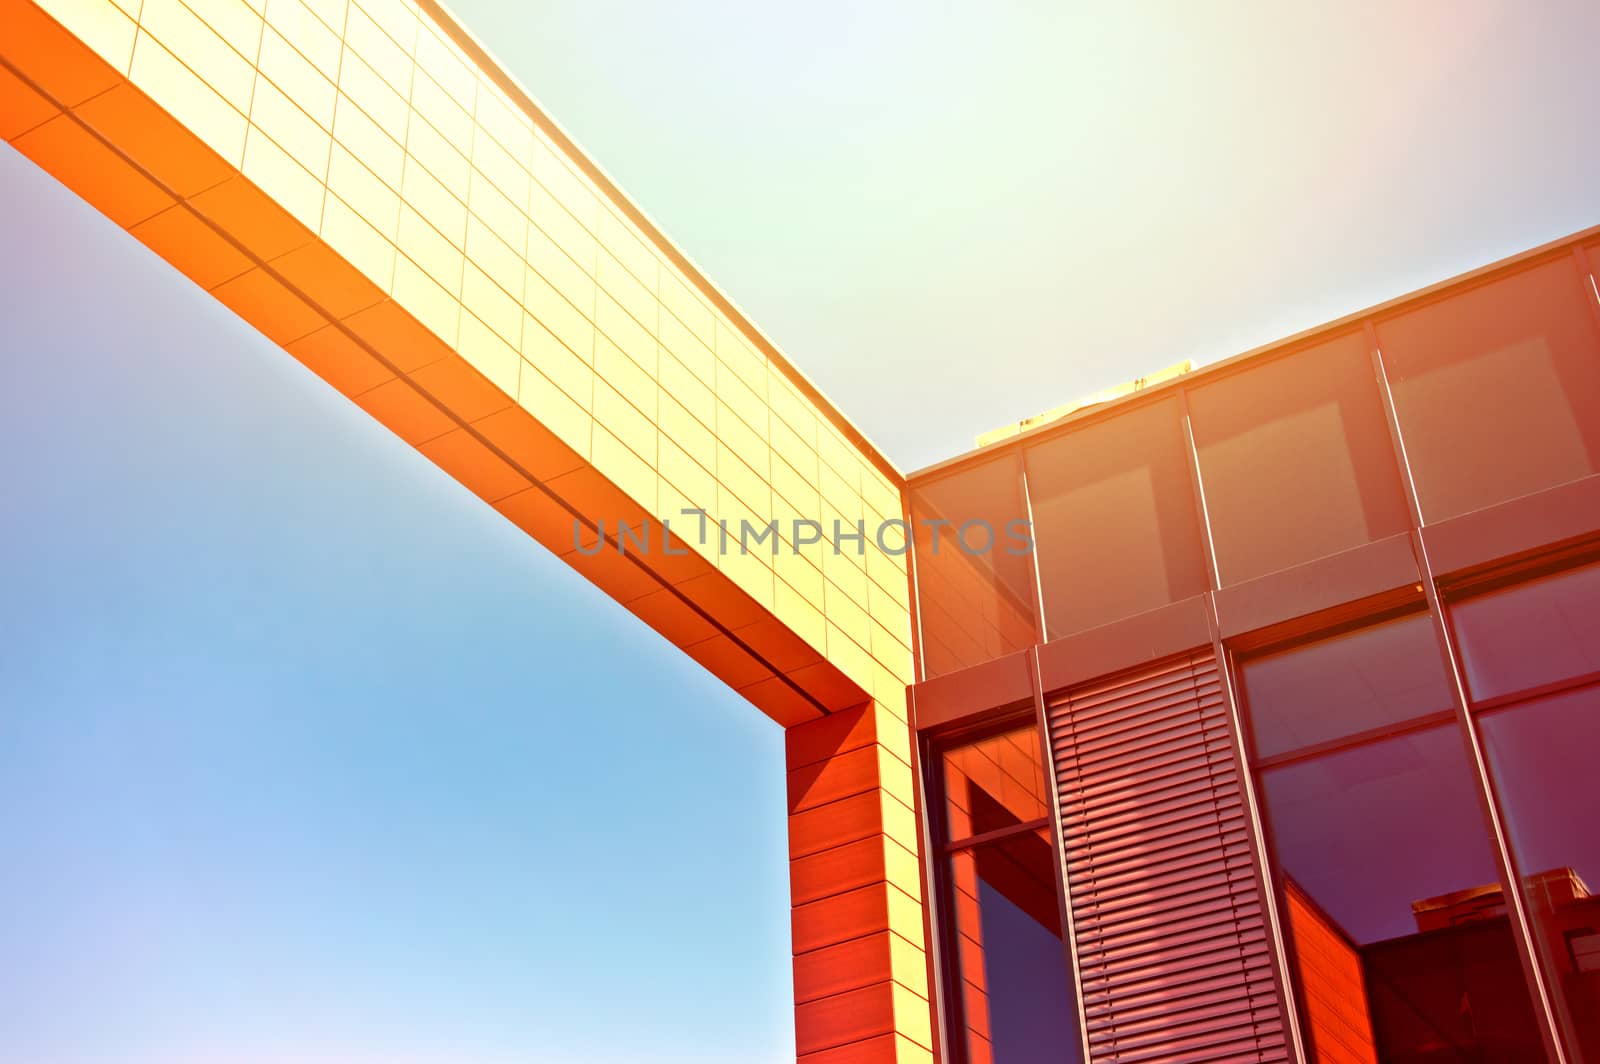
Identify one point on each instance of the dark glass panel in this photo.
(1542, 757)
(1269, 433)
(974, 590)
(1346, 685)
(1016, 1001)
(1385, 855)
(1497, 389)
(1115, 519)
(1530, 634)
(993, 783)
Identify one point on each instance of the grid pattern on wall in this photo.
(358, 180)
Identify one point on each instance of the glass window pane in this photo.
(974, 576)
(1497, 389)
(1531, 634)
(1266, 433)
(1346, 685)
(1015, 996)
(1395, 908)
(1115, 519)
(993, 783)
(1542, 757)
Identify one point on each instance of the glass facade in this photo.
(1412, 764)
(1009, 985)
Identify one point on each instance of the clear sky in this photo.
(305, 755)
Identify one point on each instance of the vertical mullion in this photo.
(1069, 932)
(1510, 878)
(1256, 834)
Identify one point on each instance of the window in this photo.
(1267, 432)
(1497, 389)
(1538, 640)
(1531, 634)
(1115, 518)
(1394, 909)
(1382, 675)
(1009, 992)
(974, 575)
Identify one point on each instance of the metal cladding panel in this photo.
(1173, 953)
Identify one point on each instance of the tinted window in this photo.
(974, 591)
(1115, 519)
(993, 783)
(1497, 389)
(1365, 679)
(1269, 433)
(1016, 1000)
(1542, 756)
(1531, 634)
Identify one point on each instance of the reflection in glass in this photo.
(1531, 634)
(993, 783)
(1265, 433)
(974, 591)
(1365, 679)
(1016, 1000)
(1542, 756)
(1402, 948)
(1115, 518)
(1497, 389)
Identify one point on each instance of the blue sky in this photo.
(306, 755)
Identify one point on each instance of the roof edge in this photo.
(508, 83)
(1210, 370)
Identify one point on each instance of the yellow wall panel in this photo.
(374, 200)
(498, 165)
(504, 121)
(496, 258)
(194, 103)
(200, 49)
(492, 305)
(381, 110)
(489, 353)
(291, 129)
(433, 201)
(352, 236)
(397, 18)
(552, 171)
(623, 468)
(101, 25)
(566, 274)
(423, 296)
(284, 178)
(312, 91)
(307, 32)
(635, 298)
(686, 306)
(559, 413)
(628, 424)
(561, 228)
(448, 118)
(568, 323)
(557, 362)
(390, 60)
(445, 63)
(619, 237)
(233, 20)
(635, 339)
(688, 389)
(501, 215)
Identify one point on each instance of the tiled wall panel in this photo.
(362, 130)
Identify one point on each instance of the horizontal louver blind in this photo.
(1172, 944)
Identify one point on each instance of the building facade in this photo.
(1267, 739)
(1277, 745)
